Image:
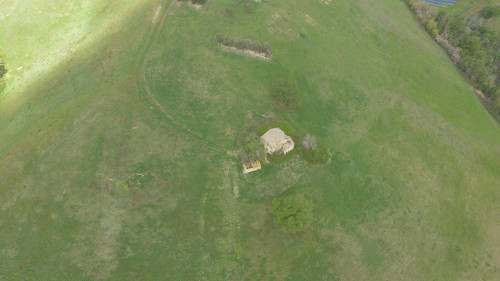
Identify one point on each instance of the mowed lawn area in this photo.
(99, 182)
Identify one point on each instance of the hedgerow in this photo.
(243, 44)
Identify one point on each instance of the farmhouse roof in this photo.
(275, 140)
(274, 136)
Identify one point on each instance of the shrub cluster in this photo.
(252, 149)
(490, 12)
(471, 45)
(2, 68)
(313, 152)
(243, 44)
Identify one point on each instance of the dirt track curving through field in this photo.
(157, 25)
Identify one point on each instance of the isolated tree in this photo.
(293, 213)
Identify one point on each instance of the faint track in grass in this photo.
(144, 59)
(228, 241)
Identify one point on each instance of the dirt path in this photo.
(157, 25)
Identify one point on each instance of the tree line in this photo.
(472, 46)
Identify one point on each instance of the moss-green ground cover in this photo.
(97, 183)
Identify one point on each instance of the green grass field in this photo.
(98, 182)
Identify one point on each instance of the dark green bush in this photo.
(490, 11)
(199, 1)
(293, 213)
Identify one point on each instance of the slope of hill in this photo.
(118, 145)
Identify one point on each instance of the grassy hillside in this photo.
(100, 182)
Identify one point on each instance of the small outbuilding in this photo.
(277, 142)
(251, 166)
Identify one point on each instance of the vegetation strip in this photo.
(2, 68)
(244, 46)
(472, 46)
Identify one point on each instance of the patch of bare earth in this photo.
(248, 53)
(157, 13)
(195, 6)
(480, 94)
(190, 4)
